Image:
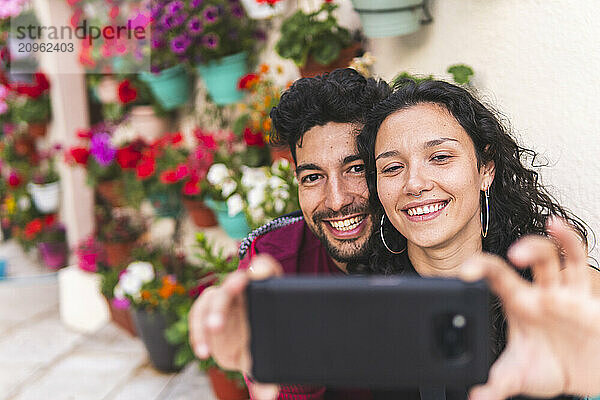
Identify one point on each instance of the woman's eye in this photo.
(392, 168)
(441, 157)
(309, 178)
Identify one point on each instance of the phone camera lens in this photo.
(451, 331)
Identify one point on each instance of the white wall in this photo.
(538, 61)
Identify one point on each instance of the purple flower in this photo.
(102, 150)
(237, 11)
(120, 303)
(173, 21)
(210, 40)
(195, 3)
(195, 26)
(175, 6)
(180, 44)
(211, 14)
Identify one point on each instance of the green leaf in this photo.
(461, 73)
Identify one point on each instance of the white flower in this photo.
(281, 193)
(119, 292)
(276, 182)
(142, 270)
(280, 164)
(24, 203)
(257, 214)
(131, 284)
(235, 205)
(279, 205)
(217, 174)
(253, 177)
(228, 187)
(256, 197)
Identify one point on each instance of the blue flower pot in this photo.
(384, 18)
(166, 205)
(236, 227)
(221, 78)
(171, 87)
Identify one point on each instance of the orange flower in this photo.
(267, 125)
(264, 68)
(146, 295)
(267, 101)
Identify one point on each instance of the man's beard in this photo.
(352, 250)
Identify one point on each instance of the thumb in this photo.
(264, 266)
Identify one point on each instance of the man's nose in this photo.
(339, 194)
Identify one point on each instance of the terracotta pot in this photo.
(107, 90)
(313, 68)
(122, 318)
(225, 388)
(24, 145)
(38, 129)
(201, 215)
(146, 124)
(112, 192)
(117, 253)
(277, 153)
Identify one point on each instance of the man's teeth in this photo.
(347, 224)
(428, 209)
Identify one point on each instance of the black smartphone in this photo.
(369, 332)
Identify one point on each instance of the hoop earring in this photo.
(484, 231)
(383, 240)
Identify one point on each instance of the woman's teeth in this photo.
(428, 209)
(347, 224)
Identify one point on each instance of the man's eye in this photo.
(309, 178)
(357, 168)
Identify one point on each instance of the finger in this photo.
(231, 290)
(502, 383)
(575, 254)
(264, 391)
(541, 254)
(264, 266)
(502, 278)
(197, 322)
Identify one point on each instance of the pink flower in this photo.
(121, 304)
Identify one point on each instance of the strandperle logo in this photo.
(82, 31)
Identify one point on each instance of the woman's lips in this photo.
(424, 213)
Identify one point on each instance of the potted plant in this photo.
(52, 244)
(316, 42)
(45, 185)
(118, 231)
(159, 286)
(390, 17)
(262, 95)
(145, 115)
(32, 104)
(228, 37)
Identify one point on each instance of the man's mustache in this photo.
(347, 210)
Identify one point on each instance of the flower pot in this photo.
(38, 129)
(112, 192)
(122, 318)
(236, 227)
(81, 305)
(166, 205)
(221, 78)
(171, 87)
(146, 124)
(107, 90)
(54, 254)
(45, 196)
(151, 328)
(262, 11)
(312, 68)
(201, 215)
(24, 145)
(389, 17)
(225, 388)
(118, 253)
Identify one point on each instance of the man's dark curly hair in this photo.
(342, 95)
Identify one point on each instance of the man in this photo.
(317, 118)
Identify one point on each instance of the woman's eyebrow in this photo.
(437, 142)
(387, 154)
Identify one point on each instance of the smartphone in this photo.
(369, 332)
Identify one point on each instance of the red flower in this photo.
(192, 187)
(174, 175)
(14, 179)
(49, 219)
(127, 93)
(84, 134)
(253, 139)
(114, 12)
(176, 138)
(146, 167)
(80, 155)
(35, 90)
(328, 1)
(206, 140)
(128, 157)
(33, 228)
(247, 81)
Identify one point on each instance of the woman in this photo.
(444, 172)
